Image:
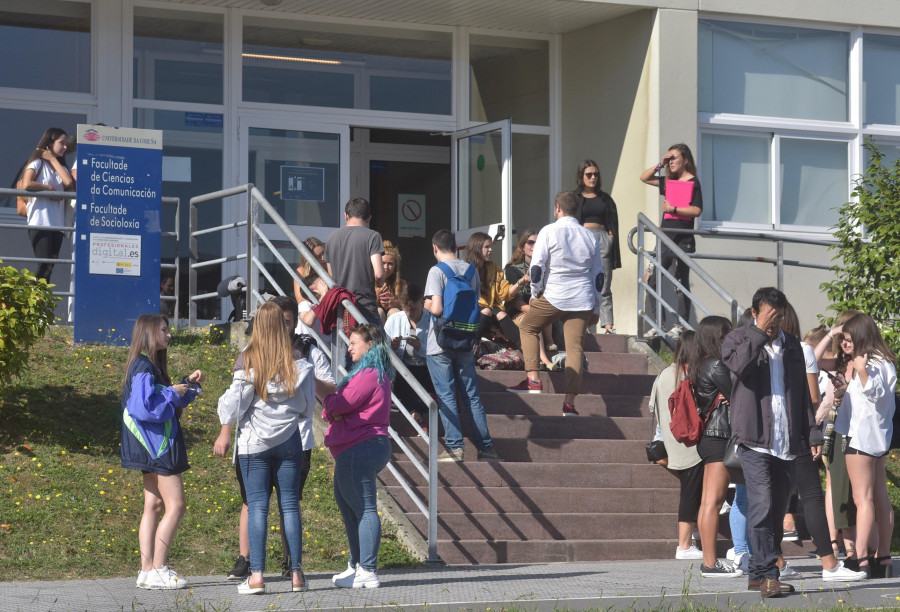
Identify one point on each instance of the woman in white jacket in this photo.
(866, 421)
(266, 400)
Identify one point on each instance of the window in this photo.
(56, 35)
(783, 118)
(177, 56)
(509, 78)
(336, 66)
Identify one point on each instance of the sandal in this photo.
(882, 570)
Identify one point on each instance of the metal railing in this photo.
(256, 239)
(666, 244)
(69, 195)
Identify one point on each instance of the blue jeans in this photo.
(452, 370)
(355, 470)
(280, 466)
(737, 519)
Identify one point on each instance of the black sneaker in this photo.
(240, 570)
(720, 570)
(790, 535)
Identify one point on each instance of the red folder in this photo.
(679, 194)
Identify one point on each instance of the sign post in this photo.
(117, 231)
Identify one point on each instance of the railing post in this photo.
(641, 266)
(252, 251)
(657, 271)
(192, 272)
(433, 444)
(780, 250)
(177, 267)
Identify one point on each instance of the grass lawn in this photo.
(68, 509)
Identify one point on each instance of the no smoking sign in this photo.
(410, 215)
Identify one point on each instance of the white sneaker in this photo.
(142, 580)
(842, 573)
(365, 579)
(345, 578)
(725, 509)
(691, 553)
(651, 333)
(244, 588)
(730, 554)
(742, 562)
(788, 573)
(164, 579)
(675, 332)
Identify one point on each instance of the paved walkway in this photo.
(542, 587)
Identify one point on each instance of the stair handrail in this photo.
(339, 340)
(654, 257)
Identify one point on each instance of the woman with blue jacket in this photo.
(152, 442)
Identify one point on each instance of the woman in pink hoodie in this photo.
(358, 414)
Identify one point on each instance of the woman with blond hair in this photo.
(392, 291)
(153, 443)
(266, 402)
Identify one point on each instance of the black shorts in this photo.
(854, 451)
(304, 474)
(712, 450)
(691, 492)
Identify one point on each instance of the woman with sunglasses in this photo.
(679, 212)
(597, 212)
(516, 272)
(866, 421)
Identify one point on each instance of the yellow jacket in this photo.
(496, 289)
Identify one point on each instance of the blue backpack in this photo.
(457, 327)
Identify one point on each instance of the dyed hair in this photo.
(269, 352)
(579, 175)
(378, 357)
(711, 331)
(144, 338)
(519, 254)
(685, 151)
(394, 280)
(867, 339)
(475, 257)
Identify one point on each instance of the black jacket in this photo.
(712, 379)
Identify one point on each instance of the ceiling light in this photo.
(286, 58)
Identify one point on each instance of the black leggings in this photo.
(682, 273)
(46, 245)
(812, 498)
(506, 324)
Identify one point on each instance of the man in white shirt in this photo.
(566, 280)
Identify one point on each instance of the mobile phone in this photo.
(833, 378)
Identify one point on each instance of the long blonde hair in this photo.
(269, 352)
(394, 280)
(144, 340)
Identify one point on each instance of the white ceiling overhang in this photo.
(540, 16)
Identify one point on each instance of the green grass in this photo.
(68, 509)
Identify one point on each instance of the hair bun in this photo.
(388, 244)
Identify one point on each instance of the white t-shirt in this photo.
(809, 356)
(398, 326)
(46, 211)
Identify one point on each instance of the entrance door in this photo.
(303, 170)
(482, 182)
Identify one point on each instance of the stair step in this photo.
(542, 499)
(544, 526)
(548, 450)
(484, 551)
(550, 404)
(484, 474)
(606, 343)
(616, 363)
(554, 382)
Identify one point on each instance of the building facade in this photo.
(775, 99)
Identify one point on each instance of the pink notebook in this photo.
(679, 194)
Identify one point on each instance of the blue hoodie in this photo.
(151, 436)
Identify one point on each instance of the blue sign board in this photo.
(117, 231)
(302, 183)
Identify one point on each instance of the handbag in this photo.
(22, 201)
(656, 449)
(732, 463)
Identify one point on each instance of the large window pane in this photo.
(509, 78)
(54, 36)
(276, 155)
(340, 66)
(881, 78)
(777, 71)
(813, 181)
(735, 174)
(23, 129)
(177, 56)
(192, 165)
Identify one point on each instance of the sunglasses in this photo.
(592, 174)
(530, 242)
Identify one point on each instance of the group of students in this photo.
(774, 400)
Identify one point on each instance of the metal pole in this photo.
(433, 487)
(780, 250)
(192, 273)
(251, 251)
(640, 275)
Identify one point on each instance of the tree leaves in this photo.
(27, 311)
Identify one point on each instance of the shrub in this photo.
(867, 275)
(26, 309)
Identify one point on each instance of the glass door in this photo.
(303, 170)
(482, 182)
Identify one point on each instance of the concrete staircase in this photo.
(569, 489)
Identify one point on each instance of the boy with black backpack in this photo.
(451, 295)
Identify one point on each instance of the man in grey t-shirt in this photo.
(353, 254)
(452, 370)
